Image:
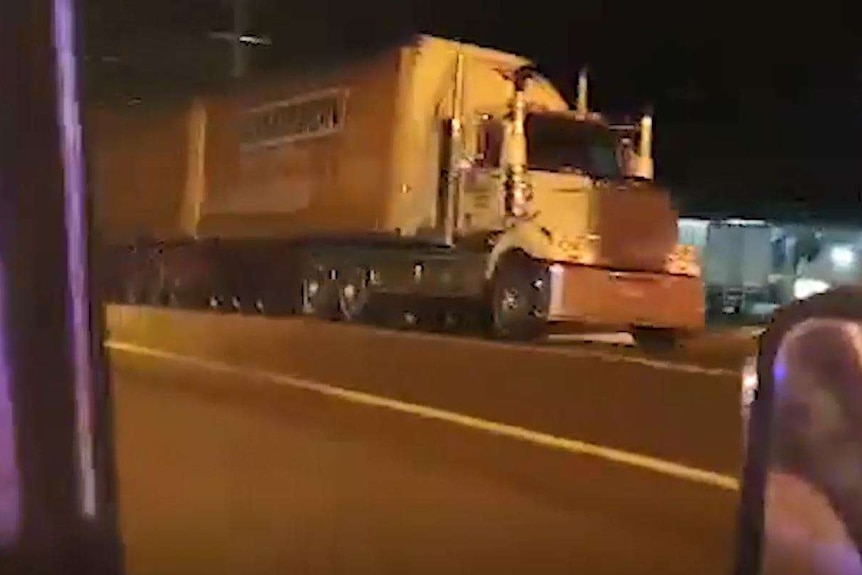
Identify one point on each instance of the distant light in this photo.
(255, 40)
(804, 288)
(222, 35)
(742, 222)
(695, 223)
(251, 39)
(842, 256)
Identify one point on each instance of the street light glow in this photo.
(255, 40)
(842, 256)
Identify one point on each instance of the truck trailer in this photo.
(432, 178)
(737, 260)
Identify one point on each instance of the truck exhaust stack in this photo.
(515, 154)
(645, 147)
(453, 192)
(644, 167)
(582, 108)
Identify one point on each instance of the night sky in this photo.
(758, 109)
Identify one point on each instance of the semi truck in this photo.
(434, 179)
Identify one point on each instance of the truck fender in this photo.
(520, 238)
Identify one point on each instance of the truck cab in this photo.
(566, 190)
(573, 165)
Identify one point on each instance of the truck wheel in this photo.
(515, 303)
(353, 295)
(319, 295)
(274, 303)
(656, 340)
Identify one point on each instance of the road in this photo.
(722, 347)
(235, 455)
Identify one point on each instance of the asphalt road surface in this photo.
(266, 447)
(721, 347)
(215, 478)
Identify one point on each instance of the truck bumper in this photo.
(624, 300)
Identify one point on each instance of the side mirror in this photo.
(801, 489)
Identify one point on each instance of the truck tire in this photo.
(515, 302)
(279, 300)
(319, 295)
(353, 295)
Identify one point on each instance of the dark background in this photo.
(758, 106)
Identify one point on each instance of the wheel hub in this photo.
(510, 300)
(349, 292)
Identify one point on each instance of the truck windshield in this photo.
(557, 143)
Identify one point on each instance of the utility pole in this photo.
(240, 38)
(240, 27)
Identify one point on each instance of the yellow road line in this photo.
(637, 460)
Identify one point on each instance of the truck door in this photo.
(483, 208)
(444, 160)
